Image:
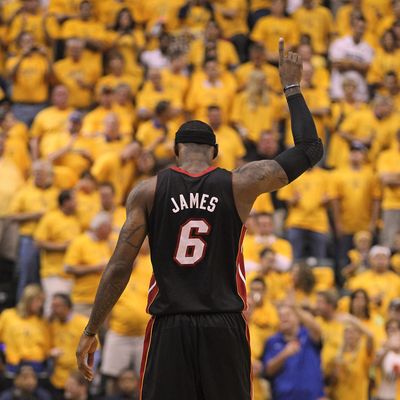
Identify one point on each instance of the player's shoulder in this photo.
(143, 193)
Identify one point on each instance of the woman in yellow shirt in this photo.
(25, 334)
(256, 109)
(353, 362)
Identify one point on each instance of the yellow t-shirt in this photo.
(66, 336)
(388, 161)
(332, 337)
(262, 117)
(69, 73)
(226, 53)
(269, 29)
(72, 159)
(25, 339)
(309, 213)
(85, 251)
(50, 120)
(69, 7)
(271, 73)
(148, 133)
(353, 375)
(316, 22)
(230, 148)
(263, 204)
(109, 168)
(58, 228)
(382, 63)
(356, 191)
(83, 29)
(17, 151)
(30, 84)
(203, 94)
(29, 199)
(11, 180)
(196, 20)
(26, 22)
(132, 80)
(385, 285)
(88, 205)
(235, 25)
(176, 83)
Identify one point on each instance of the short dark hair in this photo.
(214, 107)
(329, 296)
(65, 298)
(161, 107)
(64, 196)
(265, 251)
(260, 280)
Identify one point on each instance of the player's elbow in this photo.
(314, 151)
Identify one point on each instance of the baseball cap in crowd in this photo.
(358, 146)
(375, 250)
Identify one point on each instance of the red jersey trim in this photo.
(182, 171)
(240, 270)
(153, 292)
(145, 356)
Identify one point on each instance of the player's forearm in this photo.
(112, 284)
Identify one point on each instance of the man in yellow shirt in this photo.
(356, 201)
(30, 73)
(11, 180)
(65, 329)
(53, 234)
(269, 29)
(388, 167)
(230, 147)
(307, 220)
(317, 22)
(78, 73)
(86, 257)
(29, 204)
(51, 120)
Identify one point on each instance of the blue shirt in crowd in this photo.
(301, 375)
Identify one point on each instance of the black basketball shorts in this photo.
(196, 357)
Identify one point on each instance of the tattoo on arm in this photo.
(117, 274)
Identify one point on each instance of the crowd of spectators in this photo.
(91, 95)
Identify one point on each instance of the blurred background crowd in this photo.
(91, 95)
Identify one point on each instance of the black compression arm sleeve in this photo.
(308, 149)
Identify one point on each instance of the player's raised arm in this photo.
(258, 177)
(118, 271)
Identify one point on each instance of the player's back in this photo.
(195, 236)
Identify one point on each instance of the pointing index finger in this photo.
(281, 50)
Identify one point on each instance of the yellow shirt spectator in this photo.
(11, 180)
(307, 197)
(317, 22)
(263, 204)
(25, 339)
(88, 205)
(65, 337)
(30, 78)
(78, 74)
(243, 72)
(32, 199)
(388, 162)
(231, 148)
(383, 62)
(269, 29)
(58, 228)
(87, 252)
(231, 16)
(356, 191)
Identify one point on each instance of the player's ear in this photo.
(215, 151)
(176, 150)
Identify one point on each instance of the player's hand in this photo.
(290, 66)
(85, 356)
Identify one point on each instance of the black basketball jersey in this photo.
(195, 236)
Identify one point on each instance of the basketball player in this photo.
(196, 345)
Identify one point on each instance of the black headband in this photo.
(195, 132)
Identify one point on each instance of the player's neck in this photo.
(194, 166)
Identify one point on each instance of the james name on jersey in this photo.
(195, 200)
